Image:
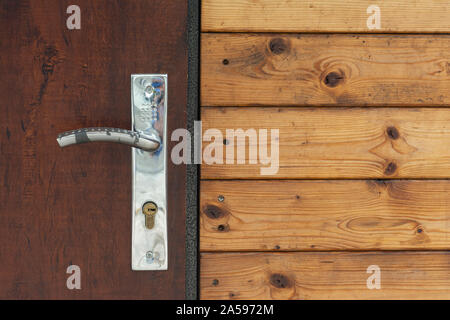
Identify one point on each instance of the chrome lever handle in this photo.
(144, 141)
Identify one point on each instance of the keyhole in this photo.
(149, 207)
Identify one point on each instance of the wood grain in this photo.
(329, 143)
(325, 70)
(324, 16)
(324, 275)
(324, 215)
(62, 207)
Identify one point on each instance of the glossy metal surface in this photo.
(149, 114)
(150, 142)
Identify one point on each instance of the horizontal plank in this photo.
(324, 215)
(324, 275)
(324, 16)
(325, 70)
(329, 143)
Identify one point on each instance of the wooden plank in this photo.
(329, 143)
(324, 215)
(318, 70)
(324, 275)
(324, 16)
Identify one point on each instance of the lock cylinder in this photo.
(149, 209)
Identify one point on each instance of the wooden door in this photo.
(62, 207)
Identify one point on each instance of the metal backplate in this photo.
(149, 169)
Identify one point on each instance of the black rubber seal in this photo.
(192, 174)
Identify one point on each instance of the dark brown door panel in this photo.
(62, 207)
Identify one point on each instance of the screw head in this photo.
(221, 198)
(149, 257)
(149, 92)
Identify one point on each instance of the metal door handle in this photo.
(149, 141)
(149, 167)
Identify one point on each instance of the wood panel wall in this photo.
(363, 124)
